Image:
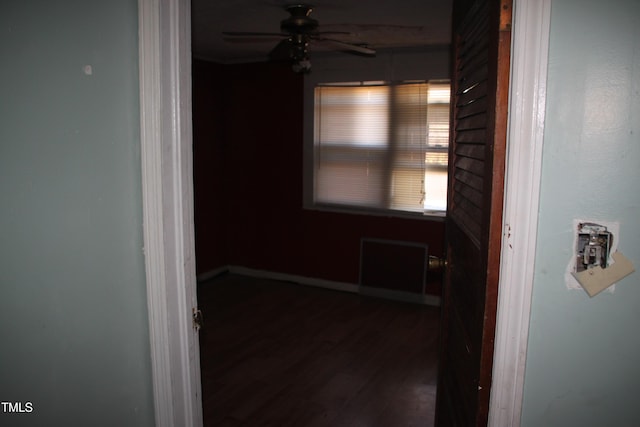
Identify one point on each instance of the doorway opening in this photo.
(253, 230)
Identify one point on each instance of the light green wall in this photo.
(74, 337)
(583, 361)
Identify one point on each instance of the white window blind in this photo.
(382, 146)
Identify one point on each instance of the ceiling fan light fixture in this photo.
(299, 54)
(299, 45)
(303, 66)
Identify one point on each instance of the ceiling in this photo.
(381, 25)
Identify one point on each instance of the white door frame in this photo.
(527, 101)
(167, 187)
(167, 193)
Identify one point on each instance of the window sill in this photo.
(438, 216)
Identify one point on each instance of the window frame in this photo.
(311, 164)
(420, 63)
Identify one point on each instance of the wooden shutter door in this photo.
(480, 83)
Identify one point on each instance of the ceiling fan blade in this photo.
(252, 34)
(348, 46)
(323, 33)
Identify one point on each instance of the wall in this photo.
(583, 356)
(210, 189)
(261, 144)
(73, 319)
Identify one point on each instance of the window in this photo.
(382, 146)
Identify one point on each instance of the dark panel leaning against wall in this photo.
(254, 216)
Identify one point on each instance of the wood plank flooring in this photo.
(280, 354)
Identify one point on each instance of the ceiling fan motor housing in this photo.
(299, 22)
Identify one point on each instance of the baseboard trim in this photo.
(302, 280)
(326, 284)
(211, 274)
(401, 296)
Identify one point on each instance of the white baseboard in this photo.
(309, 281)
(401, 296)
(211, 274)
(326, 284)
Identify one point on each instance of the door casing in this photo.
(530, 47)
(527, 105)
(167, 197)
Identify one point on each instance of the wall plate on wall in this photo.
(582, 230)
(596, 264)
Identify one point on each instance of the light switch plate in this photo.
(597, 279)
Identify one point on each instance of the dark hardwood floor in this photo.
(280, 354)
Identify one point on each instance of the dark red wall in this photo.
(248, 182)
(209, 167)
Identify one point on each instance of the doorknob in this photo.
(436, 263)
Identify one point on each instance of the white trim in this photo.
(208, 275)
(402, 296)
(309, 281)
(389, 294)
(167, 193)
(522, 193)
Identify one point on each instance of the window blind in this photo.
(371, 144)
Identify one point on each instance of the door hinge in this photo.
(506, 12)
(198, 320)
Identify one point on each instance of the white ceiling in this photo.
(382, 24)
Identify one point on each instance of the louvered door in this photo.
(480, 84)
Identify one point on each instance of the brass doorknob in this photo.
(436, 263)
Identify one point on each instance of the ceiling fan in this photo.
(298, 31)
